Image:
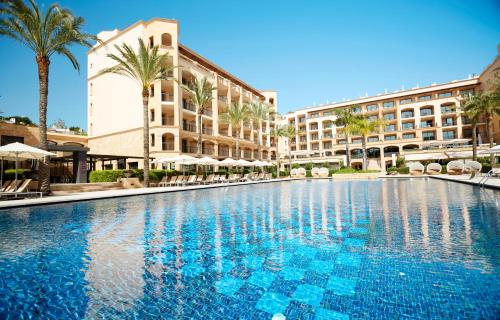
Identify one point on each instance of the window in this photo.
(326, 113)
(91, 89)
(357, 140)
(152, 139)
(313, 126)
(408, 126)
(426, 124)
(466, 92)
(426, 136)
(152, 117)
(372, 118)
(372, 139)
(372, 107)
(389, 116)
(448, 122)
(424, 98)
(448, 109)
(10, 139)
(356, 109)
(444, 95)
(390, 128)
(405, 101)
(388, 104)
(426, 112)
(409, 136)
(152, 90)
(315, 115)
(133, 165)
(151, 42)
(314, 136)
(447, 135)
(391, 137)
(407, 114)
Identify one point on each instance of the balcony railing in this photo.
(223, 152)
(167, 97)
(208, 112)
(208, 150)
(426, 112)
(189, 106)
(189, 127)
(190, 149)
(222, 98)
(208, 131)
(168, 146)
(167, 121)
(247, 154)
(224, 132)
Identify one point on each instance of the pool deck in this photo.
(82, 196)
(492, 183)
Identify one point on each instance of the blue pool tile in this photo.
(341, 286)
(192, 270)
(262, 279)
(324, 314)
(306, 251)
(348, 259)
(190, 256)
(354, 242)
(308, 294)
(359, 230)
(362, 221)
(320, 266)
(291, 273)
(338, 234)
(228, 285)
(272, 302)
(223, 266)
(253, 262)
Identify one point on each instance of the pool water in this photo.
(301, 250)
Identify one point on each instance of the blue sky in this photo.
(309, 51)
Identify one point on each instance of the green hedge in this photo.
(105, 175)
(10, 174)
(404, 170)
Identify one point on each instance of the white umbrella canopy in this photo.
(495, 149)
(207, 161)
(228, 162)
(18, 151)
(258, 163)
(267, 164)
(243, 163)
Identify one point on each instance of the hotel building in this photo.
(422, 123)
(115, 119)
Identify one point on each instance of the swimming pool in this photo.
(305, 249)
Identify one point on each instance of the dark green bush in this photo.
(309, 166)
(404, 170)
(392, 169)
(10, 174)
(400, 162)
(105, 175)
(444, 169)
(308, 174)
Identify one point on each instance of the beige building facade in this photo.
(115, 103)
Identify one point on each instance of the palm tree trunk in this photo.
(289, 159)
(365, 155)
(347, 153)
(200, 130)
(238, 145)
(145, 113)
(474, 141)
(43, 79)
(489, 123)
(259, 141)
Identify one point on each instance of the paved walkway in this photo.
(493, 182)
(119, 193)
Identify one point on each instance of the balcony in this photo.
(224, 132)
(222, 98)
(188, 106)
(426, 112)
(247, 154)
(189, 126)
(168, 146)
(224, 152)
(189, 149)
(167, 97)
(208, 112)
(447, 110)
(208, 150)
(208, 131)
(167, 121)
(407, 114)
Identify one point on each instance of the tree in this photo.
(471, 108)
(290, 133)
(59, 124)
(364, 127)
(200, 91)
(259, 112)
(345, 118)
(145, 66)
(277, 133)
(48, 32)
(236, 115)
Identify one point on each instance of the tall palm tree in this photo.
(364, 127)
(259, 112)
(200, 91)
(236, 115)
(45, 32)
(277, 132)
(470, 105)
(145, 66)
(290, 133)
(346, 117)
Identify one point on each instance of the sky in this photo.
(311, 52)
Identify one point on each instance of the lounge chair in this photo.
(315, 172)
(5, 185)
(191, 180)
(260, 176)
(472, 167)
(172, 181)
(268, 176)
(199, 179)
(14, 186)
(416, 168)
(180, 180)
(323, 172)
(223, 178)
(245, 178)
(433, 168)
(301, 173)
(22, 190)
(210, 179)
(163, 181)
(455, 167)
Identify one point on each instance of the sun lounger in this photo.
(455, 167)
(268, 176)
(433, 168)
(5, 185)
(191, 180)
(199, 179)
(472, 167)
(172, 181)
(22, 190)
(245, 178)
(209, 179)
(416, 168)
(234, 178)
(163, 181)
(223, 178)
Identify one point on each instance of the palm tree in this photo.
(345, 117)
(236, 115)
(470, 105)
(277, 132)
(48, 32)
(364, 127)
(259, 112)
(200, 91)
(145, 66)
(290, 133)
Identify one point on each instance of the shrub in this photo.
(345, 170)
(10, 174)
(332, 171)
(285, 173)
(308, 174)
(444, 169)
(392, 169)
(404, 170)
(105, 175)
(309, 166)
(400, 162)
(295, 165)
